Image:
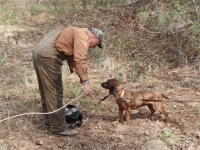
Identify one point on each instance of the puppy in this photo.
(128, 100)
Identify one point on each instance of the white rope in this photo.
(38, 113)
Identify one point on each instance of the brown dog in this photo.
(128, 100)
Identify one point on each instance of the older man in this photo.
(70, 44)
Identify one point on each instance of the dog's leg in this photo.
(120, 115)
(160, 108)
(150, 106)
(128, 116)
(119, 119)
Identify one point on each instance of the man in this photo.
(70, 44)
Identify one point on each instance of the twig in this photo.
(39, 3)
(176, 50)
(196, 9)
(157, 9)
(38, 113)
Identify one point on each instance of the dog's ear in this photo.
(112, 89)
(112, 83)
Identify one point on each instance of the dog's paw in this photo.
(127, 123)
(116, 121)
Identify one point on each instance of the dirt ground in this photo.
(98, 130)
(19, 94)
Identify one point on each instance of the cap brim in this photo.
(100, 45)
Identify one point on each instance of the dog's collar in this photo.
(122, 93)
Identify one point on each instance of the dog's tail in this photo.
(165, 96)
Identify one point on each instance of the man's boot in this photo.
(66, 132)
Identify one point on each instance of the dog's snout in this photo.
(104, 84)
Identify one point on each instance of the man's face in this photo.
(94, 41)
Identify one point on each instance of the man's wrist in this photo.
(85, 81)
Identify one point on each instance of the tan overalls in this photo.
(47, 64)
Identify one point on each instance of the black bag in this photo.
(73, 116)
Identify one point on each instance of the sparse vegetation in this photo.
(148, 44)
(74, 90)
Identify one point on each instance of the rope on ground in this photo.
(38, 113)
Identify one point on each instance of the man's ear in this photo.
(94, 37)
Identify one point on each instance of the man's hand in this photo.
(87, 89)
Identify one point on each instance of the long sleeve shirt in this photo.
(74, 42)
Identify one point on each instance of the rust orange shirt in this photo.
(74, 42)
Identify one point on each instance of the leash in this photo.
(37, 113)
(154, 100)
(102, 99)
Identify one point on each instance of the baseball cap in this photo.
(99, 34)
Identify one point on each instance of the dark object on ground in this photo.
(73, 116)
